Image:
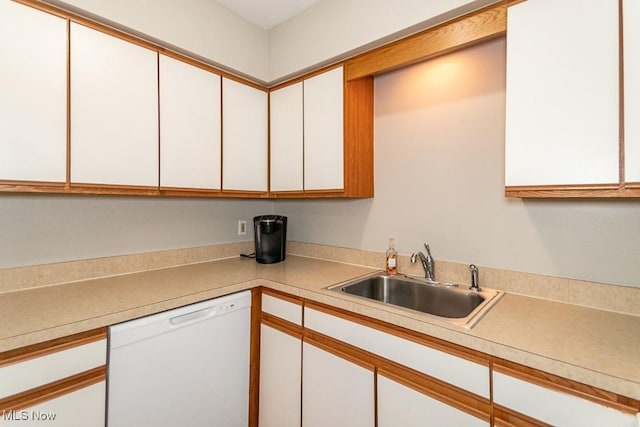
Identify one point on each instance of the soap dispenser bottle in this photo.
(392, 258)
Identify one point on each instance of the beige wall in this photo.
(439, 150)
(333, 29)
(40, 229)
(202, 27)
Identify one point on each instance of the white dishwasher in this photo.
(183, 367)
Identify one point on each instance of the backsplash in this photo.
(622, 299)
(602, 296)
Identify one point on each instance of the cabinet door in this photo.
(399, 405)
(84, 407)
(631, 15)
(189, 126)
(562, 93)
(554, 407)
(114, 110)
(280, 378)
(324, 131)
(335, 391)
(33, 84)
(286, 149)
(244, 137)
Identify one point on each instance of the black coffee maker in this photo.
(270, 232)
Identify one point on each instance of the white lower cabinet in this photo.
(554, 407)
(335, 392)
(399, 405)
(58, 383)
(280, 378)
(84, 407)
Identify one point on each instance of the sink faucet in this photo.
(427, 262)
(474, 278)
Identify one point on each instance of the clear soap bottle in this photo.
(392, 258)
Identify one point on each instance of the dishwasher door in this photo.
(184, 367)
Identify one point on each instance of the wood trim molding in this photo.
(438, 390)
(574, 191)
(504, 417)
(465, 31)
(53, 390)
(435, 343)
(432, 387)
(338, 348)
(254, 357)
(53, 346)
(564, 385)
(283, 296)
(282, 325)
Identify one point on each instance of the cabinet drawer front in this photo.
(554, 407)
(454, 370)
(25, 375)
(283, 309)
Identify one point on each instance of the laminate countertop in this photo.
(595, 347)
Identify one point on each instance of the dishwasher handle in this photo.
(192, 317)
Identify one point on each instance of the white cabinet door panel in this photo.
(554, 407)
(454, 370)
(244, 137)
(81, 408)
(324, 131)
(631, 14)
(114, 110)
(562, 93)
(280, 378)
(33, 104)
(399, 405)
(286, 127)
(35, 372)
(190, 119)
(335, 392)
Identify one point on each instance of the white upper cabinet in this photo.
(33, 104)
(286, 127)
(114, 110)
(324, 131)
(562, 93)
(631, 28)
(244, 137)
(190, 118)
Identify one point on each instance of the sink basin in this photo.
(453, 303)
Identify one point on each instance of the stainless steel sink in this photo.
(450, 302)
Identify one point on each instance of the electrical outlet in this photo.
(242, 228)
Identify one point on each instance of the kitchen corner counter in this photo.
(595, 347)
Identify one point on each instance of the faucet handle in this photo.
(426, 246)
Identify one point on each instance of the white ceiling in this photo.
(267, 13)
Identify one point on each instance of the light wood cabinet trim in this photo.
(564, 385)
(53, 390)
(254, 357)
(283, 296)
(53, 346)
(465, 31)
(338, 348)
(504, 417)
(425, 384)
(438, 390)
(282, 325)
(631, 190)
(435, 343)
(358, 137)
